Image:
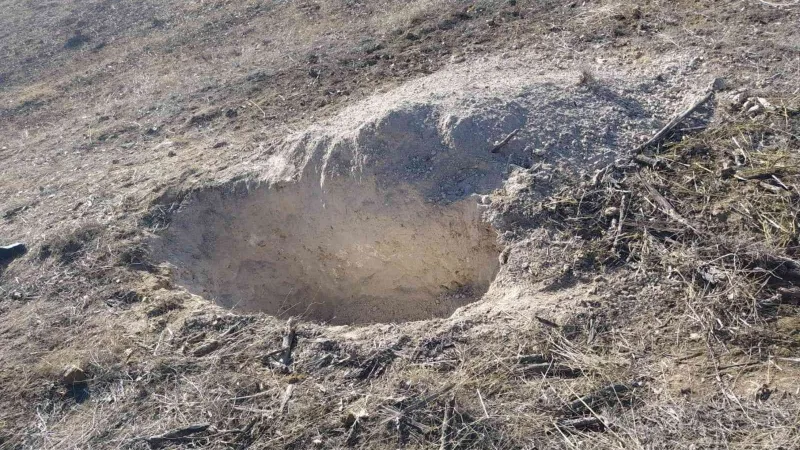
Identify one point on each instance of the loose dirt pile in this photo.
(377, 216)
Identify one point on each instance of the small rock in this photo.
(739, 99)
(503, 258)
(754, 109)
(206, 348)
(73, 375)
(694, 62)
(171, 153)
(611, 211)
(763, 102)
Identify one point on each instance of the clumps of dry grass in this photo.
(68, 247)
(32, 96)
(718, 211)
(586, 78)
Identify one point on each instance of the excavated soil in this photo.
(377, 215)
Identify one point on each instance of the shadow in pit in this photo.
(9, 253)
(79, 391)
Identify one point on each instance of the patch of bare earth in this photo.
(168, 163)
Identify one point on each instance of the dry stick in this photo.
(448, 416)
(483, 405)
(289, 342)
(505, 141)
(546, 322)
(582, 423)
(259, 108)
(619, 223)
(285, 399)
(180, 433)
(665, 204)
(662, 134)
(648, 161)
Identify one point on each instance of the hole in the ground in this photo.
(370, 217)
(351, 253)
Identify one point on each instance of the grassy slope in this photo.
(80, 167)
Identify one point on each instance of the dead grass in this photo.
(695, 306)
(31, 96)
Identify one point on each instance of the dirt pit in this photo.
(376, 214)
(348, 254)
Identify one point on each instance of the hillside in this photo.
(432, 224)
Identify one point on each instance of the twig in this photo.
(287, 394)
(259, 108)
(546, 322)
(619, 223)
(289, 341)
(662, 134)
(448, 416)
(648, 161)
(176, 435)
(583, 423)
(483, 405)
(505, 141)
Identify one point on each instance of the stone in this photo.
(73, 375)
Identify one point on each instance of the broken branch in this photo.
(505, 141)
(664, 132)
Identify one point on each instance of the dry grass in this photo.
(694, 308)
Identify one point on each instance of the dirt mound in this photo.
(376, 216)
